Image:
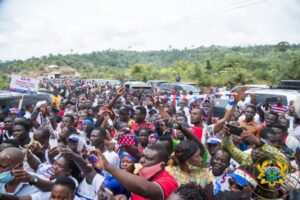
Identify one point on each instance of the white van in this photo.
(286, 95)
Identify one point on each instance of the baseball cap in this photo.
(74, 138)
(213, 140)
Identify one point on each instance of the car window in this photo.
(13, 102)
(176, 87)
(262, 97)
(166, 87)
(189, 88)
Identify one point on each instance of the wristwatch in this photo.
(34, 180)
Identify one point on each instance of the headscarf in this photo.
(88, 121)
(127, 155)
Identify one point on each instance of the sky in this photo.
(39, 27)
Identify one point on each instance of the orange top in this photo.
(251, 127)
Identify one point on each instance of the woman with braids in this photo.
(189, 164)
(62, 167)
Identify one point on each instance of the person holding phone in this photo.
(153, 181)
(249, 124)
(40, 117)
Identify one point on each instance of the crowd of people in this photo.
(105, 142)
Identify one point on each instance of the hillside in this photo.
(204, 65)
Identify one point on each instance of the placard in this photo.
(24, 84)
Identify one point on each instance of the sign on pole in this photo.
(24, 84)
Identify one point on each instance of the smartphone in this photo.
(235, 130)
(93, 159)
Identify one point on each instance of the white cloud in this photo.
(35, 28)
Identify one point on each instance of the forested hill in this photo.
(204, 65)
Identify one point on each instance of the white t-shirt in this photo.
(113, 158)
(220, 183)
(86, 191)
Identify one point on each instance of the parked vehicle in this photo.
(137, 85)
(104, 81)
(219, 108)
(289, 84)
(190, 89)
(156, 83)
(284, 94)
(189, 83)
(9, 99)
(227, 94)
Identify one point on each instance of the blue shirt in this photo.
(115, 186)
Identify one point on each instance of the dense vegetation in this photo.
(204, 65)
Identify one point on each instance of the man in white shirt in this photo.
(29, 110)
(219, 163)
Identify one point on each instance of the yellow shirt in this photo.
(56, 101)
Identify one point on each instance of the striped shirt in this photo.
(279, 108)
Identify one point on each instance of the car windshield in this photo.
(189, 88)
(262, 97)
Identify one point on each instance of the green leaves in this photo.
(203, 65)
(4, 81)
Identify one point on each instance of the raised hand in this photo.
(102, 163)
(155, 101)
(120, 91)
(240, 94)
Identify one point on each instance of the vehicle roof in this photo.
(275, 91)
(157, 81)
(180, 83)
(291, 80)
(135, 83)
(103, 80)
(141, 85)
(254, 85)
(138, 84)
(184, 84)
(7, 93)
(188, 83)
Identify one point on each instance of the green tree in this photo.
(208, 65)
(4, 82)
